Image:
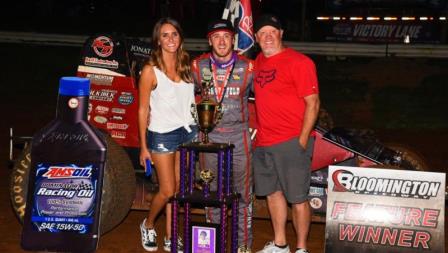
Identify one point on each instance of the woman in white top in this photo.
(166, 93)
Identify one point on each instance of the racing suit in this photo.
(233, 128)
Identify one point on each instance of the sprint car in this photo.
(112, 63)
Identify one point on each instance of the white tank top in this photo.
(170, 104)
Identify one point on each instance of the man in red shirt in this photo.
(287, 106)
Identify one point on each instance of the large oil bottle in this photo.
(67, 165)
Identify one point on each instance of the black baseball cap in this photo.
(267, 19)
(220, 25)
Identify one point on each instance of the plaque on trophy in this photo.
(205, 237)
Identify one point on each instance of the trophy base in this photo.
(204, 143)
(208, 147)
(198, 199)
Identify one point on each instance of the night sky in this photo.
(136, 17)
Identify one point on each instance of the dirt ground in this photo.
(126, 237)
(28, 104)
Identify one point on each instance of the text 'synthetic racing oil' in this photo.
(67, 165)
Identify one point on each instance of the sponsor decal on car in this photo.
(316, 191)
(111, 125)
(118, 134)
(119, 110)
(102, 109)
(93, 61)
(103, 46)
(317, 178)
(126, 98)
(102, 95)
(117, 117)
(316, 203)
(100, 119)
(100, 79)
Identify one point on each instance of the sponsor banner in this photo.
(381, 32)
(425, 4)
(381, 210)
(138, 50)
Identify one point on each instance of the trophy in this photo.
(206, 113)
(207, 177)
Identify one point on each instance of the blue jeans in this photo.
(168, 142)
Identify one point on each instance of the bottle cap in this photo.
(74, 86)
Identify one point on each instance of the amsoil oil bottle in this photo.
(67, 164)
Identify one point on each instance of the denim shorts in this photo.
(168, 142)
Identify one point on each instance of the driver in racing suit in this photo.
(231, 78)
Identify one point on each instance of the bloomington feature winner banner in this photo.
(383, 210)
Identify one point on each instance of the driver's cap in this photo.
(220, 25)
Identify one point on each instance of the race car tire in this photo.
(118, 185)
(411, 157)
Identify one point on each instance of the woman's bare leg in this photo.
(164, 164)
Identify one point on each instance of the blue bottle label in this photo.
(64, 198)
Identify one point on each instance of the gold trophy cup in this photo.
(206, 113)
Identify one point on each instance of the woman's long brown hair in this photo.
(182, 58)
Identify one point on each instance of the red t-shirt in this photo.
(281, 82)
